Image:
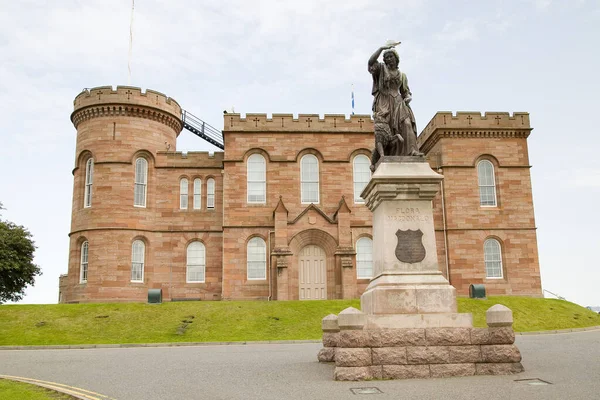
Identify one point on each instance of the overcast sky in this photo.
(539, 56)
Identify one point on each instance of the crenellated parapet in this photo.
(303, 123)
(196, 159)
(126, 101)
(473, 124)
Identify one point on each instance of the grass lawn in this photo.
(206, 321)
(24, 391)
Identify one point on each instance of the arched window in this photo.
(197, 193)
(137, 261)
(493, 259)
(487, 184)
(83, 270)
(309, 179)
(196, 262)
(256, 179)
(89, 178)
(362, 174)
(210, 193)
(257, 259)
(141, 181)
(364, 258)
(183, 194)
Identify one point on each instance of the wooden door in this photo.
(313, 273)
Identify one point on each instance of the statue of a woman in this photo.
(395, 126)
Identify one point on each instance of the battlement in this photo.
(303, 123)
(126, 95)
(474, 121)
(192, 159)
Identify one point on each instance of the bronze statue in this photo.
(395, 126)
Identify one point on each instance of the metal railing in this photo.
(200, 128)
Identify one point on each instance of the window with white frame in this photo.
(493, 259)
(141, 181)
(137, 261)
(257, 179)
(83, 270)
(89, 178)
(257, 259)
(183, 194)
(364, 258)
(197, 193)
(362, 173)
(487, 183)
(210, 193)
(196, 262)
(309, 179)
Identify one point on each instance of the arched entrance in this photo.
(312, 279)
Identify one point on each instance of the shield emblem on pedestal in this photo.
(410, 247)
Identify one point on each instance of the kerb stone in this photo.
(353, 357)
(498, 335)
(448, 336)
(351, 319)
(330, 339)
(405, 371)
(326, 354)
(397, 337)
(353, 338)
(499, 368)
(428, 355)
(500, 353)
(389, 356)
(330, 323)
(499, 315)
(447, 370)
(353, 373)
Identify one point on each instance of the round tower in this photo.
(119, 134)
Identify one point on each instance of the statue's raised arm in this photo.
(395, 126)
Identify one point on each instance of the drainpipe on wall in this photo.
(270, 277)
(445, 228)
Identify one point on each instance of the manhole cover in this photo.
(533, 382)
(367, 390)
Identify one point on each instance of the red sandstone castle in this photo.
(278, 215)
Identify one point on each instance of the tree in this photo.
(17, 269)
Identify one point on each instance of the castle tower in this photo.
(119, 135)
(484, 217)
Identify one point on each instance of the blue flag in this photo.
(352, 99)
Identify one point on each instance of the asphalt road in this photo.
(570, 362)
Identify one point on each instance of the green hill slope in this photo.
(234, 321)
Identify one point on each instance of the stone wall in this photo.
(432, 352)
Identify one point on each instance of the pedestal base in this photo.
(399, 321)
(409, 299)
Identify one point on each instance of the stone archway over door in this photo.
(312, 271)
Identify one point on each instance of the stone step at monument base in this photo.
(424, 371)
(396, 321)
(409, 299)
(363, 351)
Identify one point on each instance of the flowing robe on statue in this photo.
(390, 88)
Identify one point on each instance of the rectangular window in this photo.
(89, 178)
(183, 194)
(197, 194)
(84, 263)
(256, 182)
(137, 261)
(309, 179)
(141, 179)
(210, 193)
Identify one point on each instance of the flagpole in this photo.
(130, 44)
(353, 99)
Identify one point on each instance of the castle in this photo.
(278, 214)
